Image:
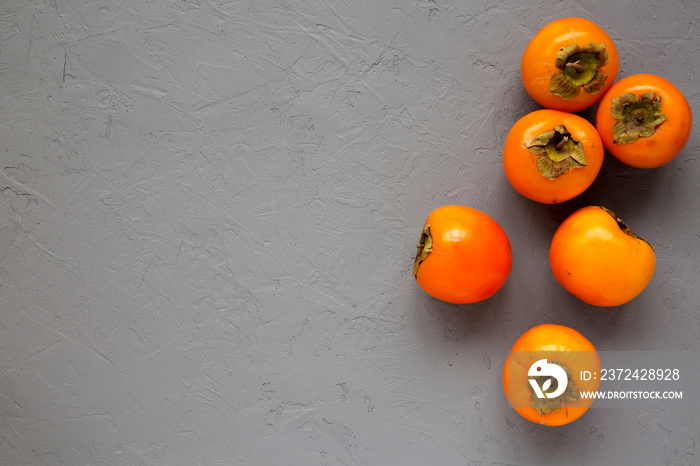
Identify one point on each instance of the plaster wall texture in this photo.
(208, 217)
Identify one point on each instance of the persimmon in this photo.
(541, 398)
(464, 256)
(552, 156)
(595, 256)
(569, 64)
(644, 121)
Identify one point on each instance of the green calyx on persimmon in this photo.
(552, 405)
(636, 116)
(624, 227)
(579, 69)
(557, 152)
(425, 247)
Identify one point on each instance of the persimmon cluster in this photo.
(550, 156)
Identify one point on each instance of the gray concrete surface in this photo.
(209, 212)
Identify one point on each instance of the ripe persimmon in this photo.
(644, 121)
(559, 346)
(596, 257)
(464, 256)
(552, 156)
(569, 64)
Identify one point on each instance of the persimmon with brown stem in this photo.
(644, 121)
(464, 256)
(595, 256)
(569, 64)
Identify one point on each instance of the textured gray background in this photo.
(208, 216)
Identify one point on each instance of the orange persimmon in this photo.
(464, 256)
(550, 345)
(569, 64)
(644, 121)
(596, 257)
(552, 156)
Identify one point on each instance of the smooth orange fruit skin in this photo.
(537, 65)
(555, 342)
(520, 165)
(597, 262)
(471, 257)
(670, 136)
